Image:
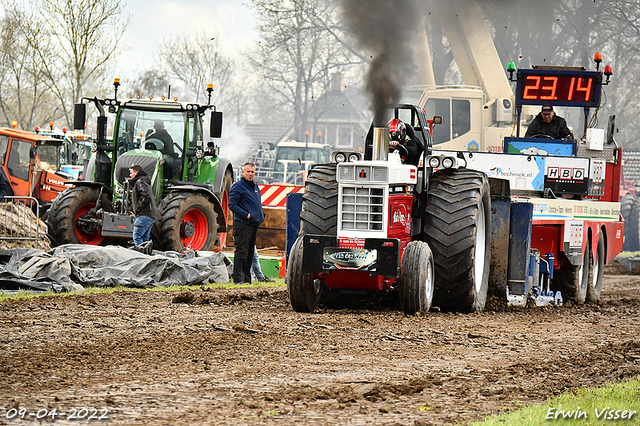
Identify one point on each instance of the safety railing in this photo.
(19, 219)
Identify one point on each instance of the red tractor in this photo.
(370, 225)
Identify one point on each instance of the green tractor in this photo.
(191, 181)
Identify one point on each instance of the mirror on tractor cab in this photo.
(215, 128)
(437, 119)
(79, 116)
(32, 153)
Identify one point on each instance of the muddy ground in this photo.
(241, 356)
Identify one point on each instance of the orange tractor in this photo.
(30, 163)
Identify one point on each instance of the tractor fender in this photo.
(224, 164)
(91, 184)
(222, 226)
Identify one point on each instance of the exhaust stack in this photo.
(380, 143)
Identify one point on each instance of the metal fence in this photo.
(19, 219)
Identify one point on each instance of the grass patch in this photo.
(590, 406)
(24, 294)
(628, 254)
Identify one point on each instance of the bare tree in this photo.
(88, 34)
(301, 47)
(196, 61)
(23, 94)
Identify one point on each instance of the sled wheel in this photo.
(596, 273)
(574, 280)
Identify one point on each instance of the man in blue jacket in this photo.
(245, 201)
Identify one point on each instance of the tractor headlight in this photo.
(434, 162)
(354, 157)
(447, 162)
(340, 157)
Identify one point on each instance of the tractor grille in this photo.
(351, 173)
(362, 209)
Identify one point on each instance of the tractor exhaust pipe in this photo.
(380, 143)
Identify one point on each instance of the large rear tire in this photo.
(319, 213)
(574, 280)
(596, 273)
(416, 278)
(458, 231)
(70, 217)
(223, 196)
(304, 290)
(188, 221)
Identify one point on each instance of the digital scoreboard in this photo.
(574, 88)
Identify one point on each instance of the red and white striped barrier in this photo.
(276, 195)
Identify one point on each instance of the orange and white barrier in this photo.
(276, 195)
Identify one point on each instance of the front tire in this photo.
(188, 222)
(71, 217)
(416, 278)
(458, 231)
(304, 290)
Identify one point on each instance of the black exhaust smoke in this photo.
(386, 30)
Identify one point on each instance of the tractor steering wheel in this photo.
(402, 150)
(542, 136)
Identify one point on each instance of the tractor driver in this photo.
(162, 134)
(408, 149)
(172, 165)
(548, 124)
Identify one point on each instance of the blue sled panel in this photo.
(519, 247)
(500, 218)
(294, 208)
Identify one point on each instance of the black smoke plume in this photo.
(386, 29)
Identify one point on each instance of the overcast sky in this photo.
(151, 20)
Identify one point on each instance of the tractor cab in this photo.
(31, 164)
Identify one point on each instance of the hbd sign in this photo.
(565, 173)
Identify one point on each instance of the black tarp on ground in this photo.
(75, 266)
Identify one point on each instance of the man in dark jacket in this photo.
(549, 124)
(245, 202)
(144, 206)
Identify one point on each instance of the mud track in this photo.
(241, 356)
